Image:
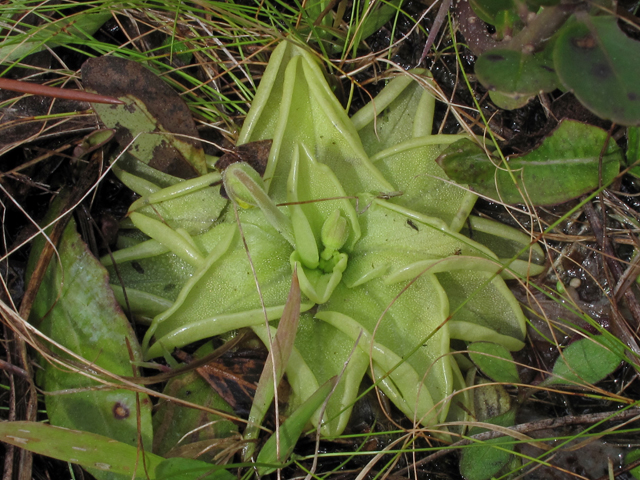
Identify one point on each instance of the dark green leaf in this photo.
(95, 452)
(189, 469)
(74, 308)
(185, 431)
(494, 361)
(490, 10)
(535, 4)
(292, 428)
(484, 460)
(516, 74)
(631, 457)
(596, 61)
(566, 165)
(633, 149)
(586, 361)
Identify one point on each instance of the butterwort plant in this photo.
(360, 210)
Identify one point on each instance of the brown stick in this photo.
(37, 89)
(435, 28)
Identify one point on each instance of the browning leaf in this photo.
(160, 110)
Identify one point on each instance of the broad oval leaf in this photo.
(494, 361)
(595, 60)
(586, 361)
(513, 72)
(566, 165)
(395, 130)
(483, 461)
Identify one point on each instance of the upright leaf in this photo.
(291, 429)
(74, 308)
(274, 367)
(303, 111)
